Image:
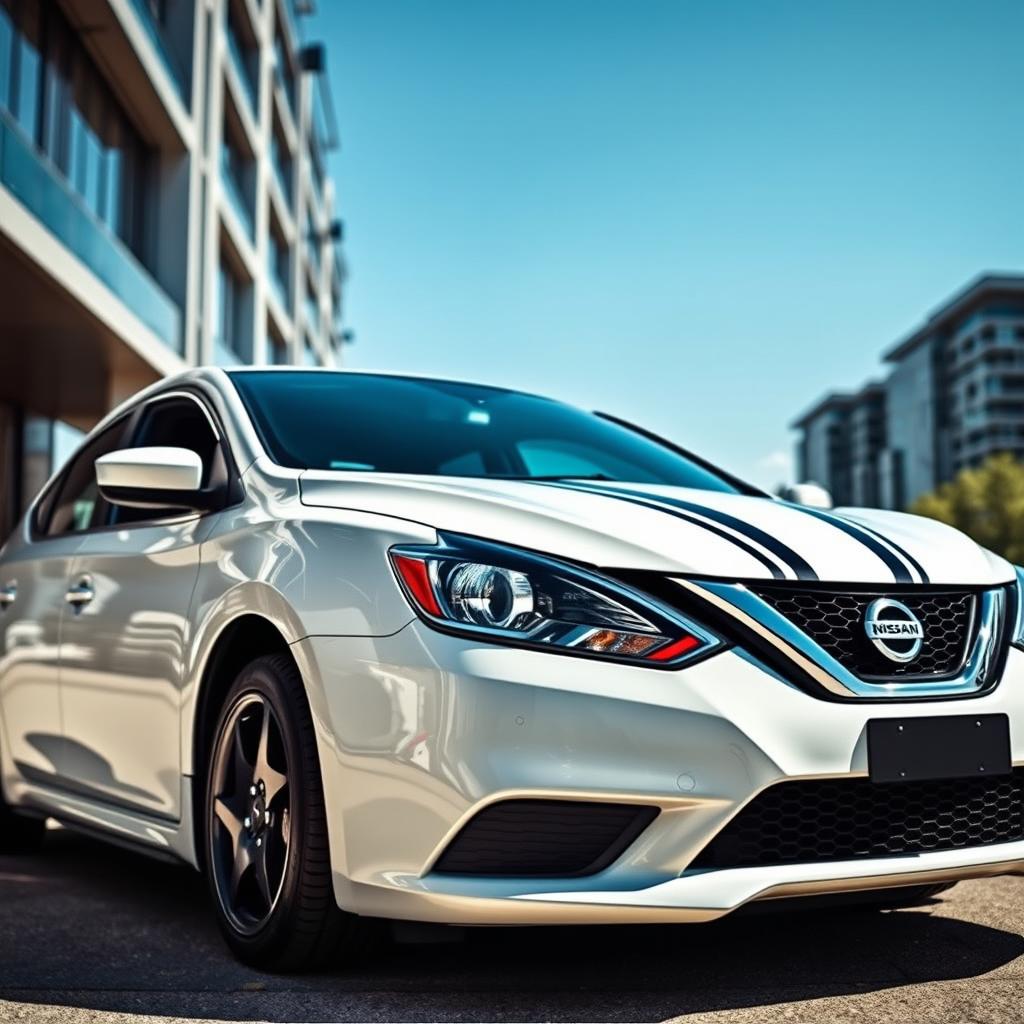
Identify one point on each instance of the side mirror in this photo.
(810, 494)
(156, 478)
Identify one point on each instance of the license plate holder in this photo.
(938, 747)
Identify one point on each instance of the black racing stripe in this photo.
(900, 550)
(796, 563)
(895, 565)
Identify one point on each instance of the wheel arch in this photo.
(240, 641)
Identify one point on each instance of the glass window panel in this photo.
(408, 425)
(114, 184)
(29, 71)
(76, 149)
(278, 352)
(78, 504)
(6, 55)
(55, 105)
(91, 175)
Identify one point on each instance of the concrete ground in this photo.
(89, 933)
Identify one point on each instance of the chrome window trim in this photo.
(772, 626)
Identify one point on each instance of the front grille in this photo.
(554, 838)
(816, 820)
(835, 621)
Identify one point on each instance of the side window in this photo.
(76, 504)
(176, 423)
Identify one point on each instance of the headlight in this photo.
(515, 597)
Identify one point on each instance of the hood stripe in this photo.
(796, 563)
(899, 549)
(895, 564)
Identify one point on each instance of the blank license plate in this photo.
(943, 747)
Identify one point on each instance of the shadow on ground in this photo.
(87, 925)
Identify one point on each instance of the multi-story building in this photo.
(842, 438)
(955, 396)
(823, 448)
(163, 203)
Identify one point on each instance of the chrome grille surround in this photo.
(835, 620)
(751, 612)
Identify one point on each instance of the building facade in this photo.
(841, 442)
(163, 203)
(954, 396)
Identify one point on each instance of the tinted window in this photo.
(76, 503)
(403, 425)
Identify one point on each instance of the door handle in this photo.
(7, 595)
(81, 593)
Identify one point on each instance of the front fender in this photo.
(324, 572)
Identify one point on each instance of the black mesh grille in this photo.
(835, 621)
(843, 819)
(544, 837)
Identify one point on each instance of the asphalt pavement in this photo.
(89, 932)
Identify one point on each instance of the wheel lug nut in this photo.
(252, 791)
(247, 823)
(259, 842)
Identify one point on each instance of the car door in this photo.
(125, 633)
(34, 577)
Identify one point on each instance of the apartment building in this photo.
(842, 438)
(954, 396)
(163, 203)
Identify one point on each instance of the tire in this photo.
(19, 834)
(265, 828)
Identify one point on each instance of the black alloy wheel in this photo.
(251, 818)
(266, 846)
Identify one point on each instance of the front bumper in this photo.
(418, 731)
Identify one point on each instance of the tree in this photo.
(987, 503)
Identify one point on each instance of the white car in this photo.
(363, 646)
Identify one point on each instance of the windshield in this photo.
(383, 424)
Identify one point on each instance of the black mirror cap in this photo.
(207, 499)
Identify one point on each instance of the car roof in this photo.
(394, 374)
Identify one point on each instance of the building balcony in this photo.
(32, 180)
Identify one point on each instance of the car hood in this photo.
(673, 530)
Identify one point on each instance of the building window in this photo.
(313, 243)
(244, 56)
(283, 74)
(316, 163)
(232, 294)
(312, 305)
(6, 56)
(279, 263)
(281, 161)
(50, 86)
(238, 171)
(277, 350)
(26, 68)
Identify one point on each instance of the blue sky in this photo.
(696, 215)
